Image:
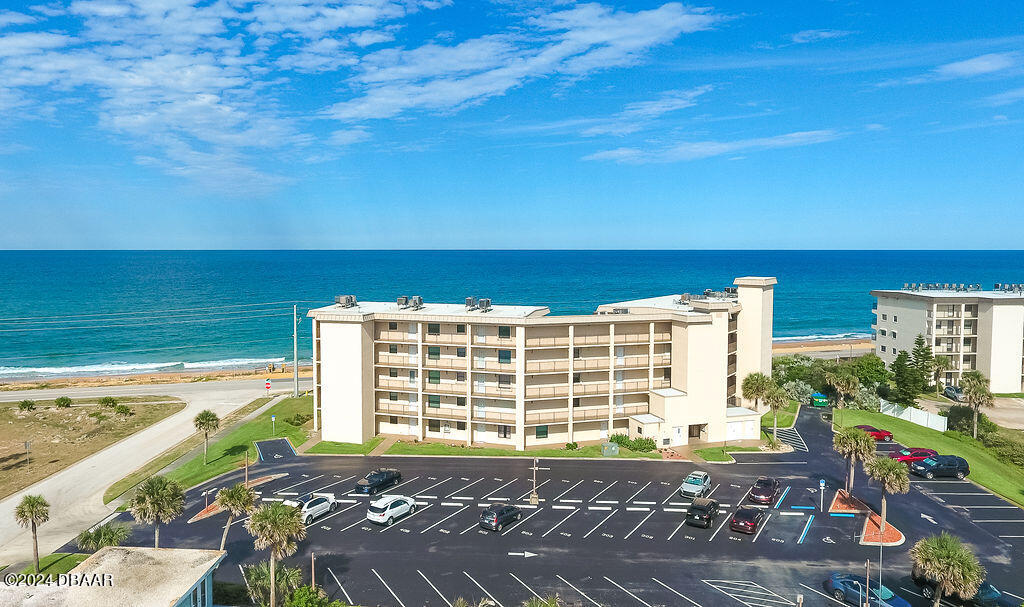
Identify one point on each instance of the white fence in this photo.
(914, 416)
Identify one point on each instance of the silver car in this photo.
(697, 484)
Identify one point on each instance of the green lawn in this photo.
(721, 454)
(332, 447)
(404, 448)
(228, 452)
(1010, 394)
(987, 470)
(786, 416)
(56, 563)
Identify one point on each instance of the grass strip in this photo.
(786, 416)
(408, 448)
(721, 454)
(334, 448)
(57, 563)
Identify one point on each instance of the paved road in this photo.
(76, 493)
(606, 532)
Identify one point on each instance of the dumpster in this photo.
(609, 449)
(819, 400)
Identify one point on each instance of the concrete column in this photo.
(611, 377)
(469, 385)
(572, 386)
(316, 378)
(420, 355)
(650, 359)
(520, 388)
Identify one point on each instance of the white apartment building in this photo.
(974, 329)
(665, 367)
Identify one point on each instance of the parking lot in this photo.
(603, 532)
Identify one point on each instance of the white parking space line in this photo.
(606, 508)
(434, 587)
(560, 507)
(671, 535)
(332, 484)
(1010, 536)
(445, 518)
(799, 514)
(606, 501)
(431, 487)
(990, 507)
(418, 510)
(458, 491)
(763, 525)
(399, 485)
(832, 599)
(578, 591)
(673, 590)
(567, 490)
(998, 520)
(521, 521)
(560, 522)
(525, 586)
(348, 599)
(333, 514)
(749, 593)
(587, 534)
(491, 596)
(467, 530)
(649, 515)
(299, 483)
(388, 587)
(726, 520)
(713, 490)
(607, 487)
(958, 493)
(359, 522)
(527, 494)
(1016, 596)
(637, 509)
(630, 498)
(642, 602)
(499, 488)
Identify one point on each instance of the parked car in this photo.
(746, 519)
(702, 512)
(875, 433)
(913, 454)
(764, 490)
(378, 480)
(386, 510)
(313, 505)
(850, 589)
(941, 465)
(496, 516)
(954, 393)
(697, 484)
(986, 596)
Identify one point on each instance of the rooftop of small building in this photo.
(435, 309)
(967, 292)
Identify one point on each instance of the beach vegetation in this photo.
(977, 395)
(945, 559)
(62, 402)
(108, 401)
(108, 534)
(27, 405)
(854, 445)
(277, 528)
(236, 500)
(906, 381)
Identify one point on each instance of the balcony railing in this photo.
(458, 413)
(638, 385)
(508, 391)
(490, 415)
(590, 364)
(458, 388)
(632, 338)
(545, 366)
(626, 362)
(547, 417)
(662, 360)
(493, 365)
(547, 391)
(662, 336)
(546, 342)
(661, 383)
(582, 414)
(397, 360)
(397, 336)
(591, 340)
(494, 340)
(445, 362)
(626, 411)
(396, 384)
(459, 339)
(392, 408)
(593, 387)
(730, 369)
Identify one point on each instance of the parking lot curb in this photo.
(573, 459)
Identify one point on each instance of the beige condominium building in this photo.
(664, 367)
(974, 329)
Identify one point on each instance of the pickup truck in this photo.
(378, 480)
(313, 505)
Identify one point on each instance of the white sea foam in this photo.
(823, 337)
(119, 367)
(232, 362)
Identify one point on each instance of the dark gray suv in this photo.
(496, 516)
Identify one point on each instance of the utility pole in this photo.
(295, 350)
(312, 569)
(247, 467)
(867, 582)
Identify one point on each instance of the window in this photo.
(460, 352)
(461, 329)
(577, 352)
(577, 378)
(883, 332)
(460, 376)
(884, 317)
(433, 329)
(895, 318)
(541, 432)
(433, 377)
(504, 431)
(392, 348)
(504, 332)
(392, 396)
(893, 334)
(504, 381)
(393, 372)
(434, 425)
(434, 352)
(667, 373)
(460, 401)
(433, 401)
(393, 419)
(883, 348)
(504, 356)
(460, 425)
(639, 429)
(576, 402)
(412, 375)
(392, 326)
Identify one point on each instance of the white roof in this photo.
(738, 411)
(668, 392)
(387, 499)
(647, 418)
(951, 294)
(433, 309)
(661, 302)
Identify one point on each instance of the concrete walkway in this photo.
(1007, 412)
(384, 445)
(75, 494)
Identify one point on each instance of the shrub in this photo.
(620, 439)
(97, 416)
(306, 596)
(642, 444)
(108, 401)
(571, 446)
(62, 402)
(124, 411)
(228, 593)
(300, 418)
(961, 419)
(866, 399)
(799, 390)
(27, 405)
(1007, 448)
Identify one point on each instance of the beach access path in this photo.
(75, 494)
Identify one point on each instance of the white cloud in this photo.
(8, 18)
(697, 150)
(982, 65)
(346, 137)
(817, 35)
(1007, 97)
(638, 115)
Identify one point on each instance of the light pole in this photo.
(273, 425)
(295, 350)
(534, 498)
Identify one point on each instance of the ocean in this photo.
(65, 313)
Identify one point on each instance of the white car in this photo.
(389, 508)
(697, 484)
(313, 505)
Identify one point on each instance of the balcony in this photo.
(494, 340)
(547, 417)
(457, 413)
(402, 336)
(397, 360)
(457, 388)
(492, 364)
(445, 362)
(547, 391)
(546, 342)
(661, 336)
(394, 383)
(636, 385)
(592, 387)
(626, 411)
(599, 363)
(632, 338)
(661, 383)
(662, 360)
(547, 366)
(627, 362)
(733, 325)
(392, 408)
(494, 390)
(731, 369)
(583, 414)
(490, 415)
(591, 340)
(456, 339)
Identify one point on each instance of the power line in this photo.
(268, 303)
(142, 324)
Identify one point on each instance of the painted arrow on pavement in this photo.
(522, 554)
(928, 518)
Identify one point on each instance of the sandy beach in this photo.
(839, 346)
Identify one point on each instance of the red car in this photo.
(875, 433)
(913, 454)
(746, 519)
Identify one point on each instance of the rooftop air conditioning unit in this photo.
(416, 302)
(708, 292)
(403, 301)
(345, 301)
(484, 304)
(471, 303)
(905, 286)
(620, 310)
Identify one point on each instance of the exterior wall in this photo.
(911, 320)
(346, 381)
(200, 595)
(1000, 358)
(706, 357)
(754, 330)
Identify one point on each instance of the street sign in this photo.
(273, 424)
(267, 384)
(821, 485)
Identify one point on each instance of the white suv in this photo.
(390, 507)
(697, 484)
(313, 505)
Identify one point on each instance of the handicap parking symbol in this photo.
(828, 540)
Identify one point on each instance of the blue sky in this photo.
(455, 124)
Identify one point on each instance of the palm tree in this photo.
(843, 385)
(756, 386)
(32, 511)
(279, 528)
(257, 579)
(940, 364)
(550, 601)
(157, 500)
(237, 500)
(109, 534)
(891, 474)
(206, 421)
(777, 399)
(976, 393)
(950, 564)
(855, 445)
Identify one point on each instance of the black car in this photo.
(496, 516)
(378, 480)
(746, 519)
(702, 512)
(764, 490)
(941, 465)
(986, 596)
